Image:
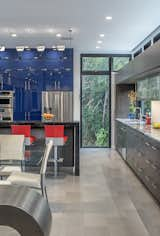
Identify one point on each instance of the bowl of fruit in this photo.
(48, 116)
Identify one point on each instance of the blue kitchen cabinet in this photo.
(35, 88)
(19, 109)
(27, 99)
(29, 73)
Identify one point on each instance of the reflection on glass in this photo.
(95, 63)
(119, 62)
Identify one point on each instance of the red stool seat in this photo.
(65, 138)
(55, 132)
(32, 139)
(24, 130)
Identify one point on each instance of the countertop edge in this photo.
(37, 124)
(139, 130)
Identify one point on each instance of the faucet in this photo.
(140, 113)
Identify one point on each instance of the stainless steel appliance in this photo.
(59, 104)
(6, 105)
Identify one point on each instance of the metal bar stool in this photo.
(55, 133)
(26, 131)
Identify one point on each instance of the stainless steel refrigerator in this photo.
(59, 104)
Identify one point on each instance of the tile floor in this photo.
(106, 200)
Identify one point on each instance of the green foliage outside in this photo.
(95, 64)
(119, 62)
(95, 101)
(101, 137)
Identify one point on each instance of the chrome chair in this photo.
(11, 154)
(35, 181)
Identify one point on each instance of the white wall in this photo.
(76, 85)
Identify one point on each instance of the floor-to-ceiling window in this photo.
(95, 97)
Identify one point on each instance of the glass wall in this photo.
(95, 110)
(95, 97)
(119, 62)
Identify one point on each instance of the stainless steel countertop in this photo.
(147, 130)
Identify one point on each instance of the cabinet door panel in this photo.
(35, 86)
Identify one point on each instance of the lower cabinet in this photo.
(142, 155)
(121, 139)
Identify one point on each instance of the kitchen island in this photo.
(33, 153)
(139, 145)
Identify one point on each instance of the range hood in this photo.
(147, 63)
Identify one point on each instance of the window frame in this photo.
(109, 74)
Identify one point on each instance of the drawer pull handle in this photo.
(154, 167)
(147, 161)
(147, 144)
(154, 148)
(147, 178)
(154, 185)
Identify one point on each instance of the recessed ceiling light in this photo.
(54, 47)
(58, 35)
(97, 47)
(40, 48)
(101, 35)
(50, 30)
(27, 48)
(108, 17)
(20, 48)
(13, 35)
(29, 30)
(60, 47)
(99, 41)
(2, 48)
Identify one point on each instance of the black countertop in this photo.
(37, 124)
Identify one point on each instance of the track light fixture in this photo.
(20, 48)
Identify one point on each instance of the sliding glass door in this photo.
(95, 102)
(95, 111)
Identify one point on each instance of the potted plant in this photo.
(132, 104)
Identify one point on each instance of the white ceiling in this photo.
(38, 21)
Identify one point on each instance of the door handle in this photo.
(147, 144)
(147, 161)
(154, 186)
(153, 166)
(25, 115)
(154, 148)
(147, 178)
(25, 85)
(29, 84)
(140, 169)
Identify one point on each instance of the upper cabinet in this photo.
(29, 73)
(55, 68)
(149, 88)
(144, 65)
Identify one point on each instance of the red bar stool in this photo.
(26, 131)
(56, 134)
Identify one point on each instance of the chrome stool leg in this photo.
(55, 161)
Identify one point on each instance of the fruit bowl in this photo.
(48, 116)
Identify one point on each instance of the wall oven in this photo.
(6, 105)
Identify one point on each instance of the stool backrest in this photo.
(11, 147)
(54, 131)
(21, 129)
(47, 152)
